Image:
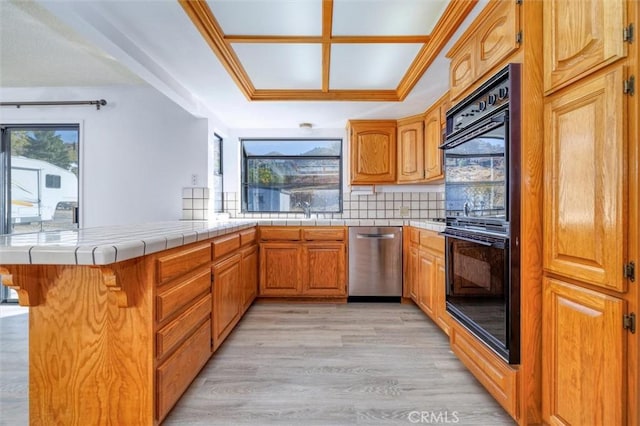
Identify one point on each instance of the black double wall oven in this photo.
(482, 193)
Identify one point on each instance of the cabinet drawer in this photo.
(174, 376)
(179, 294)
(248, 236)
(280, 233)
(182, 260)
(171, 334)
(323, 234)
(496, 376)
(432, 241)
(225, 245)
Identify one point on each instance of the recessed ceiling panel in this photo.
(273, 17)
(282, 66)
(370, 66)
(386, 17)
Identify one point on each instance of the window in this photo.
(286, 175)
(217, 174)
(52, 181)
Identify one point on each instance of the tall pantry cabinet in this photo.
(590, 243)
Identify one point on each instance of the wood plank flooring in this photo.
(308, 364)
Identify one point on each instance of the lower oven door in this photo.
(479, 292)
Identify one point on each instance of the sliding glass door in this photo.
(39, 190)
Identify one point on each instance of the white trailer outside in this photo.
(38, 188)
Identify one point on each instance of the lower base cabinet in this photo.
(303, 262)
(500, 379)
(425, 274)
(228, 296)
(175, 375)
(583, 356)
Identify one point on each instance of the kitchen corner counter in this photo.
(431, 225)
(109, 244)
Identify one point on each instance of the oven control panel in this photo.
(491, 97)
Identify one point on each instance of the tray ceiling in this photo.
(352, 50)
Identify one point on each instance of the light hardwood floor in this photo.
(307, 364)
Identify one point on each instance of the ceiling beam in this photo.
(331, 95)
(327, 25)
(206, 23)
(241, 38)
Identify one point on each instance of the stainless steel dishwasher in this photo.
(375, 264)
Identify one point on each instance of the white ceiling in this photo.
(115, 42)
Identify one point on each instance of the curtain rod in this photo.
(98, 103)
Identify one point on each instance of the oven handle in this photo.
(496, 244)
(479, 128)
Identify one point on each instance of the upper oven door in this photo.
(476, 170)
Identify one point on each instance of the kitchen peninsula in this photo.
(122, 319)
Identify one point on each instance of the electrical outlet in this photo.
(404, 211)
(194, 180)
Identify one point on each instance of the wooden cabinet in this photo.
(235, 281)
(425, 274)
(183, 319)
(373, 151)
(581, 37)
(280, 268)
(228, 297)
(583, 365)
(419, 157)
(313, 265)
(585, 151)
(490, 39)
(411, 150)
(249, 270)
(498, 377)
(324, 269)
(433, 139)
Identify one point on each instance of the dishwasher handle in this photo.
(375, 236)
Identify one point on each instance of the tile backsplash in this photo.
(195, 203)
(382, 205)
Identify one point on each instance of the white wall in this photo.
(136, 153)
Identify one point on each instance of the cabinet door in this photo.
(426, 278)
(462, 70)
(373, 152)
(227, 293)
(580, 37)
(249, 276)
(280, 271)
(411, 152)
(324, 268)
(439, 284)
(433, 139)
(496, 36)
(412, 274)
(584, 161)
(583, 354)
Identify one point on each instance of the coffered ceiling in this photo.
(357, 50)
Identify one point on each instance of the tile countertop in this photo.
(111, 244)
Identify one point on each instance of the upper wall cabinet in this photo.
(411, 150)
(581, 37)
(433, 139)
(491, 38)
(373, 151)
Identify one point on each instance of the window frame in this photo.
(244, 186)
